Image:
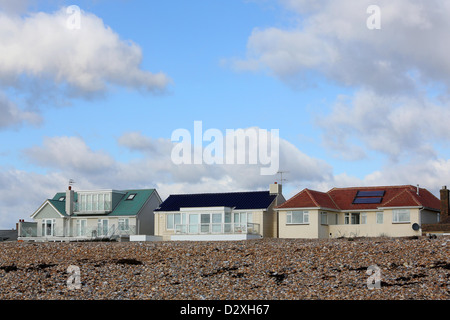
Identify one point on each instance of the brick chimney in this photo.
(444, 203)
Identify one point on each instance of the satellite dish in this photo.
(415, 226)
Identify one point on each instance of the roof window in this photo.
(131, 196)
(367, 197)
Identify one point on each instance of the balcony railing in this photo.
(30, 230)
(217, 228)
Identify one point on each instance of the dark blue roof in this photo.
(238, 200)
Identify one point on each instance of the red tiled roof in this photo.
(342, 198)
(310, 198)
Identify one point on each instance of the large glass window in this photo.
(102, 227)
(216, 226)
(400, 215)
(101, 202)
(228, 225)
(173, 219)
(205, 219)
(193, 223)
(355, 218)
(94, 202)
(241, 219)
(82, 203)
(81, 227)
(48, 227)
(89, 202)
(297, 217)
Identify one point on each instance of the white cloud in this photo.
(153, 166)
(395, 126)
(87, 60)
(301, 167)
(431, 174)
(70, 154)
(12, 115)
(44, 62)
(14, 7)
(332, 38)
(23, 192)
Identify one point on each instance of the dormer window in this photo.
(94, 202)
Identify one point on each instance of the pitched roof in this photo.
(238, 200)
(132, 207)
(309, 199)
(343, 198)
(123, 208)
(59, 205)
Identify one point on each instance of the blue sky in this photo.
(354, 106)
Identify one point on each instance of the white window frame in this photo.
(380, 217)
(171, 221)
(81, 229)
(363, 218)
(101, 227)
(124, 224)
(44, 227)
(397, 214)
(352, 217)
(304, 217)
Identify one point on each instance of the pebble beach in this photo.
(266, 269)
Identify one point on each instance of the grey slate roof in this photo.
(238, 200)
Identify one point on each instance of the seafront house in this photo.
(393, 211)
(219, 216)
(95, 214)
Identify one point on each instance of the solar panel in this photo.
(374, 193)
(367, 200)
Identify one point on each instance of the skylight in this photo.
(131, 196)
(368, 196)
(367, 200)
